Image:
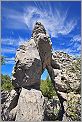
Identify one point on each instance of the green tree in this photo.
(5, 79)
(47, 88)
(6, 83)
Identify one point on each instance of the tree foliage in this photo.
(47, 88)
(6, 83)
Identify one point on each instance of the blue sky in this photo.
(62, 21)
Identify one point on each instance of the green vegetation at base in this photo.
(47, 88)
(6, 83)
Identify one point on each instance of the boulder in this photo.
(30, 106)
(74, 106)
(28, 68)
(4, 96)
(52, 108)
(9, 104)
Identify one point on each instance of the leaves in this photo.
(47, 88)
(6, 83)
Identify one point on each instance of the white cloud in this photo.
(10, 60)
(21, 41)
(8, 50)
(66, 50)
(55, 23)
(75, 43)
(12, 14)
(73, 51)
(13, 19)
(9, 41)
(76, 38)
(79, 48)
(13, 42)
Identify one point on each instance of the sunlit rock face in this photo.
(28, 68)
(26, 101)
(30, 106)
(32, 58)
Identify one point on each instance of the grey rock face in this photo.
(73, 110)
(68, 88)
(30, 106)
(4, 96)
(28, 68)
(52, 108)
(44, 44)
(70, 70)
(7, 112)
(32, 58)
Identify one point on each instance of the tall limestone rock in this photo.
(32, 58)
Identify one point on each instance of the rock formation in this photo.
(30, 106)
(9, 106)
(32, 58)
(71, 85)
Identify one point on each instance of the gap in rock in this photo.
(46, 85)
(52, 101)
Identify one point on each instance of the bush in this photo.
(47, 88)
(6, 83)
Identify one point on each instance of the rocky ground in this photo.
(70, 68)
(71, 82)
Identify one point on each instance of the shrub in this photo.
(47, 88)
(6, 83)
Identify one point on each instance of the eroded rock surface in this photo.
(30, 106)
(28, 68)
(27, 101)
(9, 107)
(32, 58)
